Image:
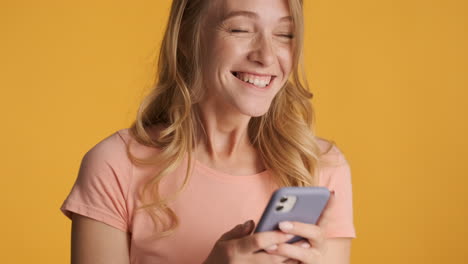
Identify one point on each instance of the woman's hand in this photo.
(307, 252)
(237, 246)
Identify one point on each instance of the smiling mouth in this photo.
(256, 80)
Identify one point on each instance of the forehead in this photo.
(269, 10)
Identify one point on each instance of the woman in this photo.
(229, 121)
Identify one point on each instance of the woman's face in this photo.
(247, 54)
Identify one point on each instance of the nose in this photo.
(263, 51)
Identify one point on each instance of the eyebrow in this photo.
(250, 14)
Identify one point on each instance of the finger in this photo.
(262, 240)
(303, 253)
(264, 257)
(291, 261)
(298, 244)
(312, 233)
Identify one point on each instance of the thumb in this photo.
(238, 231)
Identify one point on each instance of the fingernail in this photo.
(285, 226)
(305, 245)
(271, 248)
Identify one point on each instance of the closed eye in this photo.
(238, 31)
(289, 36)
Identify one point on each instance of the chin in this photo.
(254, 110)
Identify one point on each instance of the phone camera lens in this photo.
(279, 208)
(283, 199)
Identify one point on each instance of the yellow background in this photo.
(390, 83)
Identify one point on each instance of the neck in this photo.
(223, 135)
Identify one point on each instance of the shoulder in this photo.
(110, 152)
(115, 147)
(330, 153)
(111, 146)
(334, 170)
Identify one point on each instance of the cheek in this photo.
(228, 49)
(285, 57)
(222, 55)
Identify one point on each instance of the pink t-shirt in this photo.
(213, 202)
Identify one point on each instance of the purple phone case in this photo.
(309, 206)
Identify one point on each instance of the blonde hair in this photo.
(283, 136)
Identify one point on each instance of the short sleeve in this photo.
(101, 188)
(337, 218)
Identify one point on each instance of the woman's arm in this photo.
(93, 242)
(338, 251)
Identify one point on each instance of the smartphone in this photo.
(301, 204)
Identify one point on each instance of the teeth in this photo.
(259, 81)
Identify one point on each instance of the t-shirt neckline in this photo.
(213, 172)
